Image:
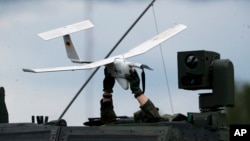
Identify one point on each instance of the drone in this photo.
(117, 65)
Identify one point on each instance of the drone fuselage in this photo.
(119, 69)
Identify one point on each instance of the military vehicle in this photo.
(196, 70)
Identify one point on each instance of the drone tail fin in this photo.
(71, 51)
(65, 31)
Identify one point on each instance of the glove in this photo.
(134, 81)
(108, 82)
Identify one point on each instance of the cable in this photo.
(163, 63)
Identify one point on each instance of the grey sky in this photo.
(217, 25)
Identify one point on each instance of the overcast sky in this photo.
(216, 25)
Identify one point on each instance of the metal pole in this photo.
(110, 52)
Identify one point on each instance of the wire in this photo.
(163, 63)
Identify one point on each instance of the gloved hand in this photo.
(134, 81)
(108, 81)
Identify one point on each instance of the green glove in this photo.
(108, 82)
(134, 80)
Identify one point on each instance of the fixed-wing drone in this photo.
(116, 65)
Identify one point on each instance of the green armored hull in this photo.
(163, 131)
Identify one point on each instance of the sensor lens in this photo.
(191, 61)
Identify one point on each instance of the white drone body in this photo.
(116, 65)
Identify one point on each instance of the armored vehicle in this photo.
(196, 70)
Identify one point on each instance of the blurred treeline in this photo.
(240, 113)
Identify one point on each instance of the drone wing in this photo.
(146, 46)
(73, 68)
(142, 48)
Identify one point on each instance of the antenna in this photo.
(110, 52)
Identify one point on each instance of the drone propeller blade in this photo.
(143, 66)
